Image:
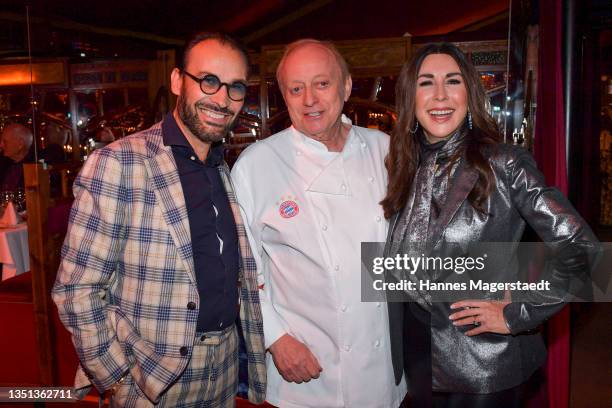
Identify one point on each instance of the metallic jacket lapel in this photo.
(459, 191)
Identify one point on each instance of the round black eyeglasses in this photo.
(210, 85)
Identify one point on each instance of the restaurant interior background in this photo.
(84, 73)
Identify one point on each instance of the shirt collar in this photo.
(444, 148)
(174, 137)
(171, 133)
(316, 145)
(215, 155)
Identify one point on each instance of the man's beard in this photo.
(192, 121)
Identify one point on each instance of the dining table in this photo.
(14, 250)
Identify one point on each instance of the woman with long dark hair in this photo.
(452, 183)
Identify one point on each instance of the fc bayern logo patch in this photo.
(288, 209)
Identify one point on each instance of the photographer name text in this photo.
(480, 285)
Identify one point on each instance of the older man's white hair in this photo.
(329, 46)
(20, 131)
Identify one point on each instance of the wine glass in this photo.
(20, 200)
(5, 198)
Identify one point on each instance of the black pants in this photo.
(417, 363)
(511, 398)
(417, 355)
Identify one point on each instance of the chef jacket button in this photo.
(337, 267)
(363, 144)
(184, 351)
(192, 157)
(324, 227)
(191, 305)
(347, 348)
(377, 343)
(371, 179)
(378, 219)
(343, 186)
(378, 304)
(343, 308)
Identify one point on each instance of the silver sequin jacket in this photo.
(491, 362)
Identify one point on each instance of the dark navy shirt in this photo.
(212, 227)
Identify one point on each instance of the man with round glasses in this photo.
(156, 265)
(210, 85)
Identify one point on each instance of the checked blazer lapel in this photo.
(243, 244)
(250, 313)
(164, 176)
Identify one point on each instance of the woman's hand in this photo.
(486, 315)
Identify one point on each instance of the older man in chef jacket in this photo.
(309, 196)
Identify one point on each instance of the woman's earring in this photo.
(416, 127)
(469, 118)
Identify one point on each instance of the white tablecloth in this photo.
(14, 251)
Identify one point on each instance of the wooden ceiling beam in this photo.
(285, 20)
(250, 15)
(66, 24)
(484, 22)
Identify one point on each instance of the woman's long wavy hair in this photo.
(404, 153)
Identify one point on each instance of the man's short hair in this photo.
(328, 45)
(222, 38)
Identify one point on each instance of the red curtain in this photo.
(549, 151)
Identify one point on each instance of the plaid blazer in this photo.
(127, 271)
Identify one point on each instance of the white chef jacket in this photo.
(307, 210)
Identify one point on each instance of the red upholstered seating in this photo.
(18, 349)
(58, 215)
(16, 289)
